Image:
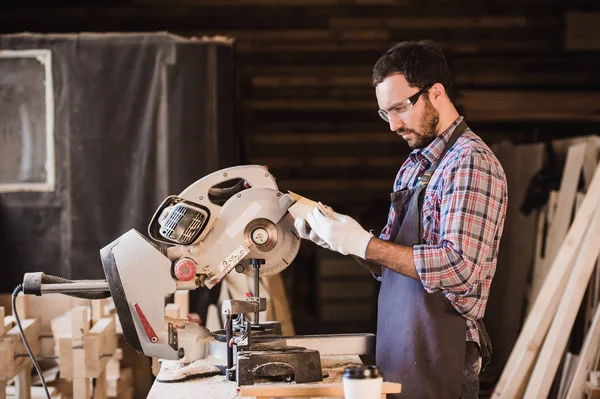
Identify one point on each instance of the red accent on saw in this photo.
(185, 269)
(147, 327)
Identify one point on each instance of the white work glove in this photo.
(307, 233)
(342, 233)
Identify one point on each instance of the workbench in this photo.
(217, 387)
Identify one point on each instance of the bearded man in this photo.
(436, 257)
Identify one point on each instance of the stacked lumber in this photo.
(14, 361)
(76, 344)
(571, 256)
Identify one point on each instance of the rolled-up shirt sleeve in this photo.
(471, 212)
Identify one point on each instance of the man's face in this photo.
(419, 125)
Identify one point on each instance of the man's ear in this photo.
(437, 91)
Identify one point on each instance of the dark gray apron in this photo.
(420, 336)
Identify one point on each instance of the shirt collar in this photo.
(434, 150)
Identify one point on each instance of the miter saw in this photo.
(233, 219)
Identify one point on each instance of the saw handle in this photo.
(257, 176)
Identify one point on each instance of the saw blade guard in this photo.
(222, 220)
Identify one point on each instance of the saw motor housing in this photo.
(195, 239)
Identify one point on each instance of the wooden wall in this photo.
(524, 70)
(309, 111)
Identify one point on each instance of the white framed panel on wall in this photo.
(27, 158)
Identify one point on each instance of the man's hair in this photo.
(420, 62)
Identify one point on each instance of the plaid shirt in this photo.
(463, 217)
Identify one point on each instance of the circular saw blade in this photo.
(284, 252)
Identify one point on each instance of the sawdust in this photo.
(334, 366)
(217, 387)
(176, 371)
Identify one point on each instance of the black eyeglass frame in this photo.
(384, 114)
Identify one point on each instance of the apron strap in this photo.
(458, 131)
(425, 177)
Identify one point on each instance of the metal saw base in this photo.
(286, 364)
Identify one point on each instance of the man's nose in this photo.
(396, 123)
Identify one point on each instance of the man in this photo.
(436, 256)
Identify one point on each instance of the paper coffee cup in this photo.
(362, 382)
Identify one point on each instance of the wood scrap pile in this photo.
(564, 285)
(76, 344)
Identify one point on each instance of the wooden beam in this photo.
(303, 35)
(100, 388)
(558, 335)
(23, 383)
(280, 303)
(324, 138)
(332, 389)
(80, 325)
(100, 344)
(566, 199)
(330, 162)
(515, 374)
(337, 184)
(587, 359)
(182, 299)
(412, 23)
(582, 31)
(523, 105)
(2, 329)
(11, 345)
(9, 322)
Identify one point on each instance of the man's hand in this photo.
(304, 231)
(342, 233)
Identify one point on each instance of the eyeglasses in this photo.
(401, 108)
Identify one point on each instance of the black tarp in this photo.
(137, 117)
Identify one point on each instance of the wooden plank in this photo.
(286, 3)
(98, 306)
(65, 357)
(279, 303)
(22, 303)
(182, 299)
(323, 138)
(100, 388)
(329, 162)
(511, 105)
(587, 358)
(583, 31)
(79, 327)
(100, 344)
(8, 323)
(428, 23)
(2, 329)
(566, 200)
(561, 147)
(517, 369)
(332, 389)
(384, 185)
(558, 334)
(11, 344)
(47, 307)
(314, 81)
(544, 223)
(171, 314)
(23, 383)
(299, 35)
(311, 104)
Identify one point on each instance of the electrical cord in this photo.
(18, 289)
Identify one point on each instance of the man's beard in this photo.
(429, 122)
